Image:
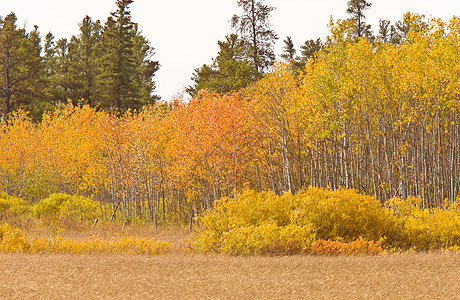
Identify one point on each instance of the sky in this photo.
(185, 33)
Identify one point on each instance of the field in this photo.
(181, 276)
(57, 271)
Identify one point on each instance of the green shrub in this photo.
(67, 206)
(12, 205)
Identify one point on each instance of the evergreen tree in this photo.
(84, 66)
(20, 67)
(118, 66)
(288, 49)
(384, 29)
(309, 49)
(49, 62)
(307, 52)
(230, 71)
(255, 29)
(61, 79)
(58, 74)
(145, 68)
(126, 78)
(356, 10)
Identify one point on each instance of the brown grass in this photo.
(193, 276)
(178, 276)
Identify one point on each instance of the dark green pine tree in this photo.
(230, 71)
(49, 72)
(309, 49)
(116, 87)
(127, 71)
(145, 68)
(288, 50)
(384, 30)
(84, 65)
(255, 28)
(21, 68)
(58, 59)
(356, 10)
(62, 80)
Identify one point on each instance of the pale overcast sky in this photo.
(184, 33)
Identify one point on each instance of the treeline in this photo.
(375, 114)
(109, 66)
(378, 118)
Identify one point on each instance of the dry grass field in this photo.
(181, 276)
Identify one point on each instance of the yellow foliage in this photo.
(425, 229)
(12, 239)
(324, 221)
(343, 214)
(257, 223)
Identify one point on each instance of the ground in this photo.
(193, 276)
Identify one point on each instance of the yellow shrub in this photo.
(12, 239)
(404, 207)
(343, 214)
(258, 223)
(255, 223)
(425, 229)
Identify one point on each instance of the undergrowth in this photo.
(13, 240)
(324, 221)
(314, 221)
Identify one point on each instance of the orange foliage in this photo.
(213, 141)
(359, 246)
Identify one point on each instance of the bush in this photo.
(261, 223)
(13, 205)
(359, 246)
(122, 245)
(12, 239)
(343, 214)
(255, 223)
(424, 229)
(67, 206)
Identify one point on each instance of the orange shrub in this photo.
(358, 246)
